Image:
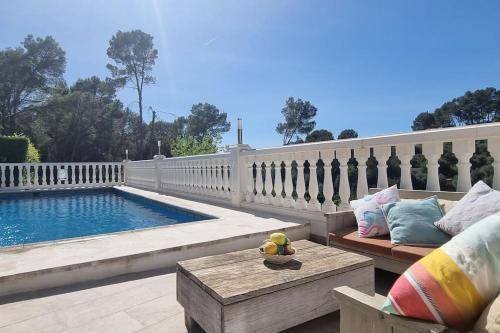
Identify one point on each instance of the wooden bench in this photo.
(342, 231)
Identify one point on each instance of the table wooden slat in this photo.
(241, 275)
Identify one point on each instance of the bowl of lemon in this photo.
(278, 249)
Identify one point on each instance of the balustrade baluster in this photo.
(382, 154)
(35, 175)
(199, 176)
(494, 149)
(225, 178)
(204, 175)
(343, 156)
(432, 152)
(268, 185)
(259, 184)
(249, 195)
(20, 178)
(44, 175)
(362, 155)
(113, 174)
(288, 200)
(405, 154)
(301, 202)
(94, 173)
(190, 170)
(328, 206)
(11, 174)
(463, 150)
(218, 169)
(313, 204)
(278, 184)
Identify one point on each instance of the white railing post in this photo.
(328, 205)
(432, 152)
(259, 184)
(157, 175)
(313, 204)
(239, 178)
(225, 178)
(463, 150)
(288, 201)
(249, 195)
(278, 183)
(382, 154)
(494, 149)
(362, 156)
(343, 156)
(405, 154)
(301, 202)
(268, 186)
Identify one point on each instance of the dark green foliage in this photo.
(319, 135)
(347, 134)
(206, 120)
(425, 120)
(13, 149)
(134, 55)
(298, 121)
(477, 107)
(27, 76)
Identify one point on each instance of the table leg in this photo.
(191, 324)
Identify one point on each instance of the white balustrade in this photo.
(210, 176)
(31, 176)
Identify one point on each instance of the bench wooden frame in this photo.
(360, 312)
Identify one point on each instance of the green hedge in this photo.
(13, 149)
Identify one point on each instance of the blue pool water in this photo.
(29, 218)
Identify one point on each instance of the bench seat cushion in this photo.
(411, 253)
(350, 238)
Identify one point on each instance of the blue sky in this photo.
(368, 65)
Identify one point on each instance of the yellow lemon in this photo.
(269, 248)
(278, 238)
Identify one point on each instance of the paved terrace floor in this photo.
(142, 302)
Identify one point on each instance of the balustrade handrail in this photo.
(449, 134)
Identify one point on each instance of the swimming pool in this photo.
(46, 216)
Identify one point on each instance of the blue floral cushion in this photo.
(369, 217)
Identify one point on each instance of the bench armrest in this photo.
(339, 220)
(360, 312)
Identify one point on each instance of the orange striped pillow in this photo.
(454, 283)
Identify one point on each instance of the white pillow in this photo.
(480, 202)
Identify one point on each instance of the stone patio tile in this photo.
(117, 322)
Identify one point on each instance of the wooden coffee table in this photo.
(240, 292)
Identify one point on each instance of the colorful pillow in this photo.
(479, 202)
(454, 283)
(371, 221)
(412, 222)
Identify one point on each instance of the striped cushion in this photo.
(454, 283)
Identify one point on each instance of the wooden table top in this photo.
(241, 275)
